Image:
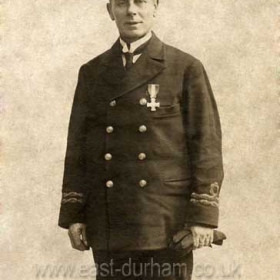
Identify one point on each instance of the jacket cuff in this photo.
(203, 215)
(72, 209)
(70, 214)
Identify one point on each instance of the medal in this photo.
(153, 90)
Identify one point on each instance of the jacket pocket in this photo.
(179, 184)
(175, 172)
(167, 111)
(177, 180)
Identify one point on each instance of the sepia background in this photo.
(44, 42)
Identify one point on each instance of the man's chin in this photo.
(133, 36)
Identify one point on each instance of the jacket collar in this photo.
(150, 64)
(135, 45)
(155, 49)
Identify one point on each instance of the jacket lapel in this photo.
(150, 64)
(112, 71)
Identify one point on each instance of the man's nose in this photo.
(131, 8)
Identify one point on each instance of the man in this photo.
(143, 158)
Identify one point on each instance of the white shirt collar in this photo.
(136, 44)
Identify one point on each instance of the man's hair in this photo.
(157, 1)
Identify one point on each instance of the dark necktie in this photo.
(129, 56)
(129, 60)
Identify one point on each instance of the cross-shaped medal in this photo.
(153, 90)
(153, 104)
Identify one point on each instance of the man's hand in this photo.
(202, 236)
(77, 235)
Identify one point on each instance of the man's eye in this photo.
(121, 2)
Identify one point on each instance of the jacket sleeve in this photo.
(204, 140)
(74, 191)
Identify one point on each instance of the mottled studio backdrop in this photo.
(44, 44)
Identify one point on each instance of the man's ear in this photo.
(156, 7)
(155, 12)
(109, 9)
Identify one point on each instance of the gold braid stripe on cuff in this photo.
(72, 197)
(71, 200)
(205, 202)
(211, 199)
(67, 194)
(205, 197)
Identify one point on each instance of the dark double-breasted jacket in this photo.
(137, 176)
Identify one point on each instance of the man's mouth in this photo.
(133, 22)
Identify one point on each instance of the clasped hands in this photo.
(202, 236)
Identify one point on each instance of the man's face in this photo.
(134, 18)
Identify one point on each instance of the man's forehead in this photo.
(157, 1)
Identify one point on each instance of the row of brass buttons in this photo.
(141, 156)
(110, 129)
(142, 184)
(142, 102)
(109, 156)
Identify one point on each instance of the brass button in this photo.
(113, 103)
(108, 156)
(109, 129)
(109, 184)
(142, 156)
(142, 128)
(143, 101)
(143, 183)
